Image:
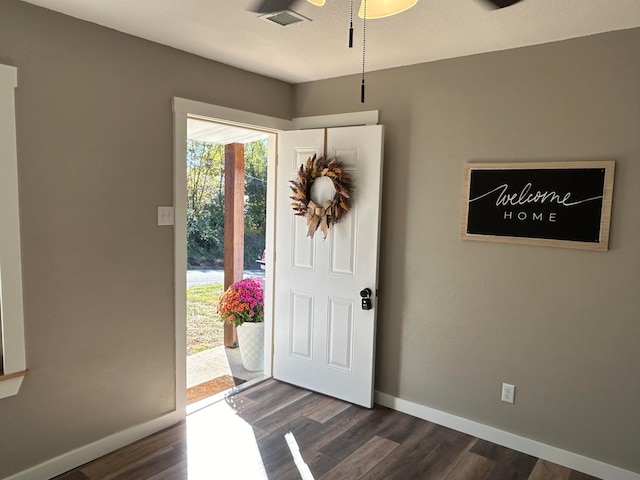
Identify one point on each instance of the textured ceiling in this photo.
(224, 30)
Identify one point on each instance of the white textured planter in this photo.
(251, 343)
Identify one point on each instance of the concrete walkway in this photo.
(210, 364)
(213, 363)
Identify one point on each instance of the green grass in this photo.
(204, 328)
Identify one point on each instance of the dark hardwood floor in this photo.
(243, 438)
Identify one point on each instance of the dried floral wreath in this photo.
(331, 211)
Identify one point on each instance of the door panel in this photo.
(302, 251)
(300, 336)
(343, 250)
(340, 345)
(323, 339)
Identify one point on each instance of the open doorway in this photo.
(183, 109)
(214, 363)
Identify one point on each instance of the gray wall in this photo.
(458, 317)
(95, 153)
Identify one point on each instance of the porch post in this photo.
(233, 224)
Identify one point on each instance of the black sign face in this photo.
(558, 202)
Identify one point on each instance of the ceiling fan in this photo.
(369, 9)
(270, 6)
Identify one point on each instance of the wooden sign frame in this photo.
(558, 204)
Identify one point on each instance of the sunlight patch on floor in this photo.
(302, 467)
(219, 440)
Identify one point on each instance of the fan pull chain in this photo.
(351, 26)
(364, 42)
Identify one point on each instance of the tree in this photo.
(255, 190)
(205, 202)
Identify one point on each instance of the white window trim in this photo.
(11, 306)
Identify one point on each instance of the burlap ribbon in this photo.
(318, 216)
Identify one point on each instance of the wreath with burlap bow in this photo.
(331, 211)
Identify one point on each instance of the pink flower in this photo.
(242, 302)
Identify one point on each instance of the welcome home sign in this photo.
(563, 204)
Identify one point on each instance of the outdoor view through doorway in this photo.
(214, 149)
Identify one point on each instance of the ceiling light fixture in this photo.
(383, 8)
(378, 8)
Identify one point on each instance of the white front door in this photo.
(323, 339)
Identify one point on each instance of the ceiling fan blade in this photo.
(503, 3)
(270, 6)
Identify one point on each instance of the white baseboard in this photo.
(509, 440)
(87, 453)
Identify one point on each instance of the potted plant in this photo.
(242, 305)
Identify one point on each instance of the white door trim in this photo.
(182, 108)
(353, 119)
(230, 116)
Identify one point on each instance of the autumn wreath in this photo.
(331, 211)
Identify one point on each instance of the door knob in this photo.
(367, 304)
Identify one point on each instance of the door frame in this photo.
(182, 109)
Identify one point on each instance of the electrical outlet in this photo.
(508, 392)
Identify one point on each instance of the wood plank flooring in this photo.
(243, 438)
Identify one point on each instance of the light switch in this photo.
(165, 216)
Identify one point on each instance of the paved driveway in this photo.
(207, 277)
